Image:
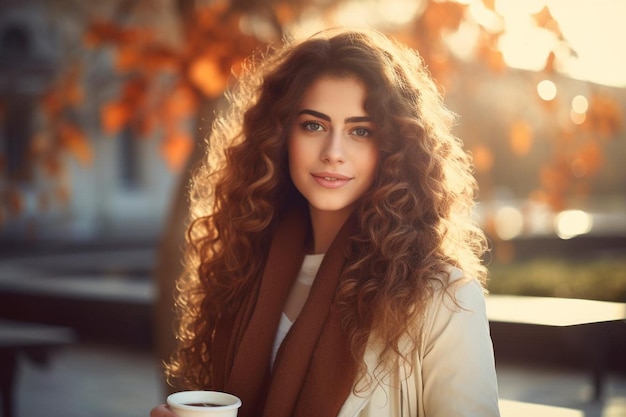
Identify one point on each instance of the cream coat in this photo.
(453, 375)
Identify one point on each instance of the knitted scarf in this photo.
(314, 371)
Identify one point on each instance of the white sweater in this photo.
(453, 375)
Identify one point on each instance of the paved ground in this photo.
(100, 381)
(89, 381)
(562, 388)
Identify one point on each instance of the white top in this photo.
(306, 276)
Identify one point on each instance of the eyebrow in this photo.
(354, 119)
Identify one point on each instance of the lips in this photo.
(330, 179)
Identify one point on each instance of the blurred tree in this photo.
(168, 78)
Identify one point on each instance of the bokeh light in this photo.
(577, 118)
(508, 223)
(580, 104)
(578, 113)
(546, 90)
(572, 223)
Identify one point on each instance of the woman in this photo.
(333, 268)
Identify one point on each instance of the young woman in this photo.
(333, 268)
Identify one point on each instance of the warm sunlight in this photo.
(591, 28)
(572, 223)
(378, 13)
(547, 90)
(523, 44)
(580, 105)
(548, 311)
(509, 223)
(595, 30)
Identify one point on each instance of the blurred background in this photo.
(104, 106)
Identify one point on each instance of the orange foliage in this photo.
(440, 16)
(483, 158)
(14, 200)
(206, 74)
(127, 58)
(41, 143)
(67, 93)
(74, 94)
(504, 251)
(520, 137)
(180, 103)
(52, 165)
(61, 135)
(214, 42)
(589, 158)
(57, 135)
(550, 63)
(543, 17)
(487, 51)
(52, 103)
(134, 92)
(490, 4)
(43, 201)
(103, 32)
(426, 35)
(494, 59)
(176, 148)
(113, 116)
(160, 57)
(147, 124)
(62, 193)
(604, 115)
(211, 15)
(284, 12)
(571, 170)
(146, 57)
(73, 139)
(72, 87)
(555, 181)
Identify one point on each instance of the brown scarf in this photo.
(314, 371)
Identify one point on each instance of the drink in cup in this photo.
(203, 404)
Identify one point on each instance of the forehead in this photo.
(336, 95)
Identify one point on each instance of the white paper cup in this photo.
(186, 404)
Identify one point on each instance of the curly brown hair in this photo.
(415, 222)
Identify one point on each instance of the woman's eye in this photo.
(313, 126)
(361, 131)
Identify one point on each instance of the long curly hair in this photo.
(415, 222)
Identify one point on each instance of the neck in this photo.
(326, 225)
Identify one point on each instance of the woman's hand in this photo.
(162, 411)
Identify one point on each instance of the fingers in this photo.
(161, 411)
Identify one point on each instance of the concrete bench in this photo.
(511, 408)
(105, 296)
(31, 339)
(586, 324)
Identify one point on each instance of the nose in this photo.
(333, 150)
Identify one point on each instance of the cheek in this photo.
(296, 154)
(370, 164)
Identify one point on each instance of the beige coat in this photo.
(453, 375)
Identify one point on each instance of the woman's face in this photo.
(332, 152)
